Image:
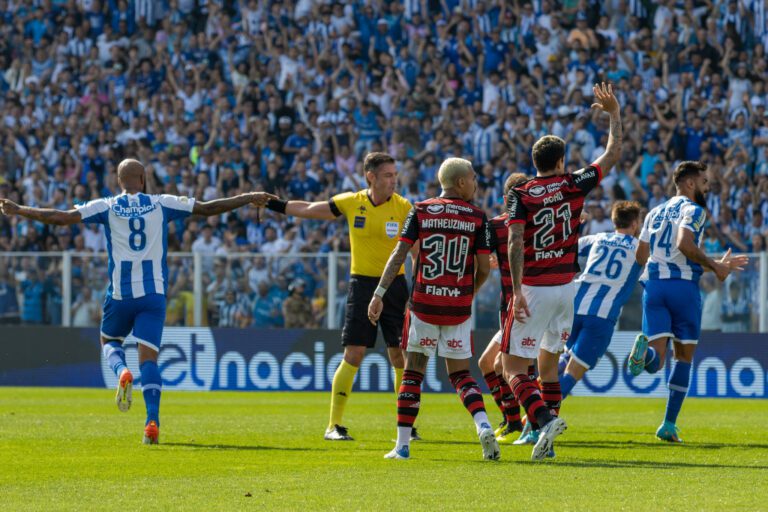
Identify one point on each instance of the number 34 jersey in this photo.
(550, 208)
(660, 231)
(451, 232)
(137, 239)
(609, 276)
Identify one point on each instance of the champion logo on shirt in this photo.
(133, 210)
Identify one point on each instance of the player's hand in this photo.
(734, 263)
(605, 99)
(8, 207)
(520, 308)
(374, 309)
(260, 199)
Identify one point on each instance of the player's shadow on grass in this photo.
(244, 447)
(642, 464)
(629, 445)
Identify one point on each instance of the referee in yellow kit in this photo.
(375, 217)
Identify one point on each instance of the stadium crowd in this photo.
(218, 98)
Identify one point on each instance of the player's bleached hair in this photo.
(451, 170)
(514, 179)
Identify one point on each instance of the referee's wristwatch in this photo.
(380, 291)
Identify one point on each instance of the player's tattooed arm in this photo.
(228, 204)
(515, 252)
(396, 260)
(44, 215)
(607, 102)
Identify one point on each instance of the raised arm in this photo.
(44, 215)
(228, 204)
(607, 102)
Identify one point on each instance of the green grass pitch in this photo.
(71, 449)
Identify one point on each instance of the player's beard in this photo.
(699, 198)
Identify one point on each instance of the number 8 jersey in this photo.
(137, 239)
(660, 231)
(451, 231)
(550, 207)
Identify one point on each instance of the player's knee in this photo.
(486, 363)
(354, 355)
(575, 369)
(396, 357)
(416, 362)
(498, 366)
(147, 353)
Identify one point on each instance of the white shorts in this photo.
(497, 337)
(450, 341)
(549, 325)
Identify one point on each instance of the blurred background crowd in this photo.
(221, 97)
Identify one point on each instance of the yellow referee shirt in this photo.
(373, 230)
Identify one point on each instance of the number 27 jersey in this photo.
(660, 231)
(137, 239)
(550, 207)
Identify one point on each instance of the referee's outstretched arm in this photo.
(317, 210)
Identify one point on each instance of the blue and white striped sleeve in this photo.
(176, 207)
(694, 218)
(94, 212)
(585, 243)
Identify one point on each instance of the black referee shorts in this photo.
(358, 330)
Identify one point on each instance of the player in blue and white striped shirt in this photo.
(604, 286)
(670, 242)
(135, 225)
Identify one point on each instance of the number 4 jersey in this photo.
(660, 231)
(550, 208)
(451, 231)
(137, 239)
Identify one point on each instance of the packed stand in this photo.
(221, 98)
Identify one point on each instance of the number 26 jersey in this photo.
(451, 232)
(550, 207)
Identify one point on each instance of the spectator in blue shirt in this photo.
(266, 307)
(34, 292)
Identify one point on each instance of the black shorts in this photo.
(358, 330)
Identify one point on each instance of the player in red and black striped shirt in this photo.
(490, 360)
(544, 215)
(452, 234)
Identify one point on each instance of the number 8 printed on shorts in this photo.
(136, 224)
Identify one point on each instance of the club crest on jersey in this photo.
(435, 209)
(392, 229)
(537, 191)
(359, 222)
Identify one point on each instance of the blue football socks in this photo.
(652, 361)
(151, 387)
(678, 389)
(115, 356)
(567, 382)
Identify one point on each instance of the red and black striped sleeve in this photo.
(483, 243)
(515, 207)
(588, 179)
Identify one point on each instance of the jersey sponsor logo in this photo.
(392, 228)
(134, 210)
(554, 187)
(442, 291)
(513, 204)
(528, 342)
(549, 255)
(590, 172)
(359, 222)
(428, 342)
(454, 344)
(435, 209)
(537, 191)
(553, 199)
